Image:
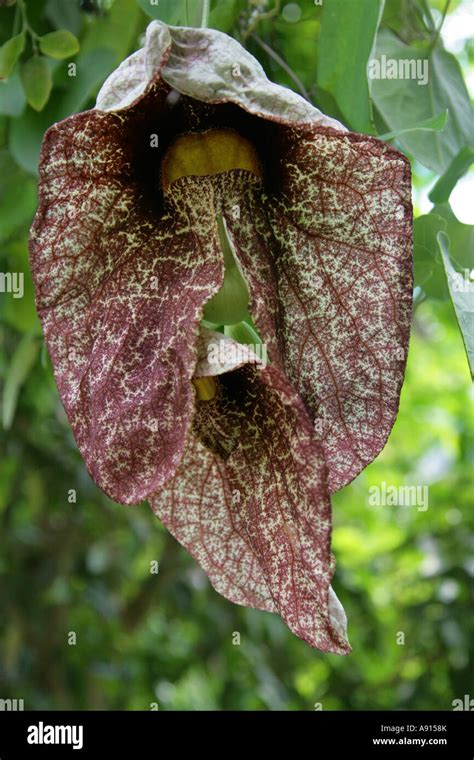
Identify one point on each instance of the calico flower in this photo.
(195, 188)
(249, 500)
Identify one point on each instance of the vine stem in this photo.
(258, 17)
(206, 4)
(273, 54)
(16, 20)
(438, 31)
(26, 26)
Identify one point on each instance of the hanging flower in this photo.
(197, 187)
(249, 500)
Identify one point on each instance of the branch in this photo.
(295, 79)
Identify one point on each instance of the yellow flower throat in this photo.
(205, 153)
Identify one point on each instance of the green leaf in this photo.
(427, 264)
(172, 12)
(26, 133)
(60, 44)
(343, 56)
(12, 97)
(224, 15)
(91, 70)
(118, 30)
(20, 366)
(295, 43)
(25, 138)
(461, 290)
(37, 82)
(64, 15)
(10, 53)
(405, 19)
(17, 197)
(461, 237)
(433, 124)
(403, 101)
(457, 169)
(20, 313)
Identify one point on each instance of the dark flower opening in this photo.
(156, 115)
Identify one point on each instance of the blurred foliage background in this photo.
(81, 563)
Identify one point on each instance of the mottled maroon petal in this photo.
(329, 266)
(120, 291)
(250, 503)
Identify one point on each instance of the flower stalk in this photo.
(206, 4)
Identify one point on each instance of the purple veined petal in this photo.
(328, 260)
(250, 502)
(120, 292)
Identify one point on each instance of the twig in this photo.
(261, 17)
(297, 81)
(438, 31)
